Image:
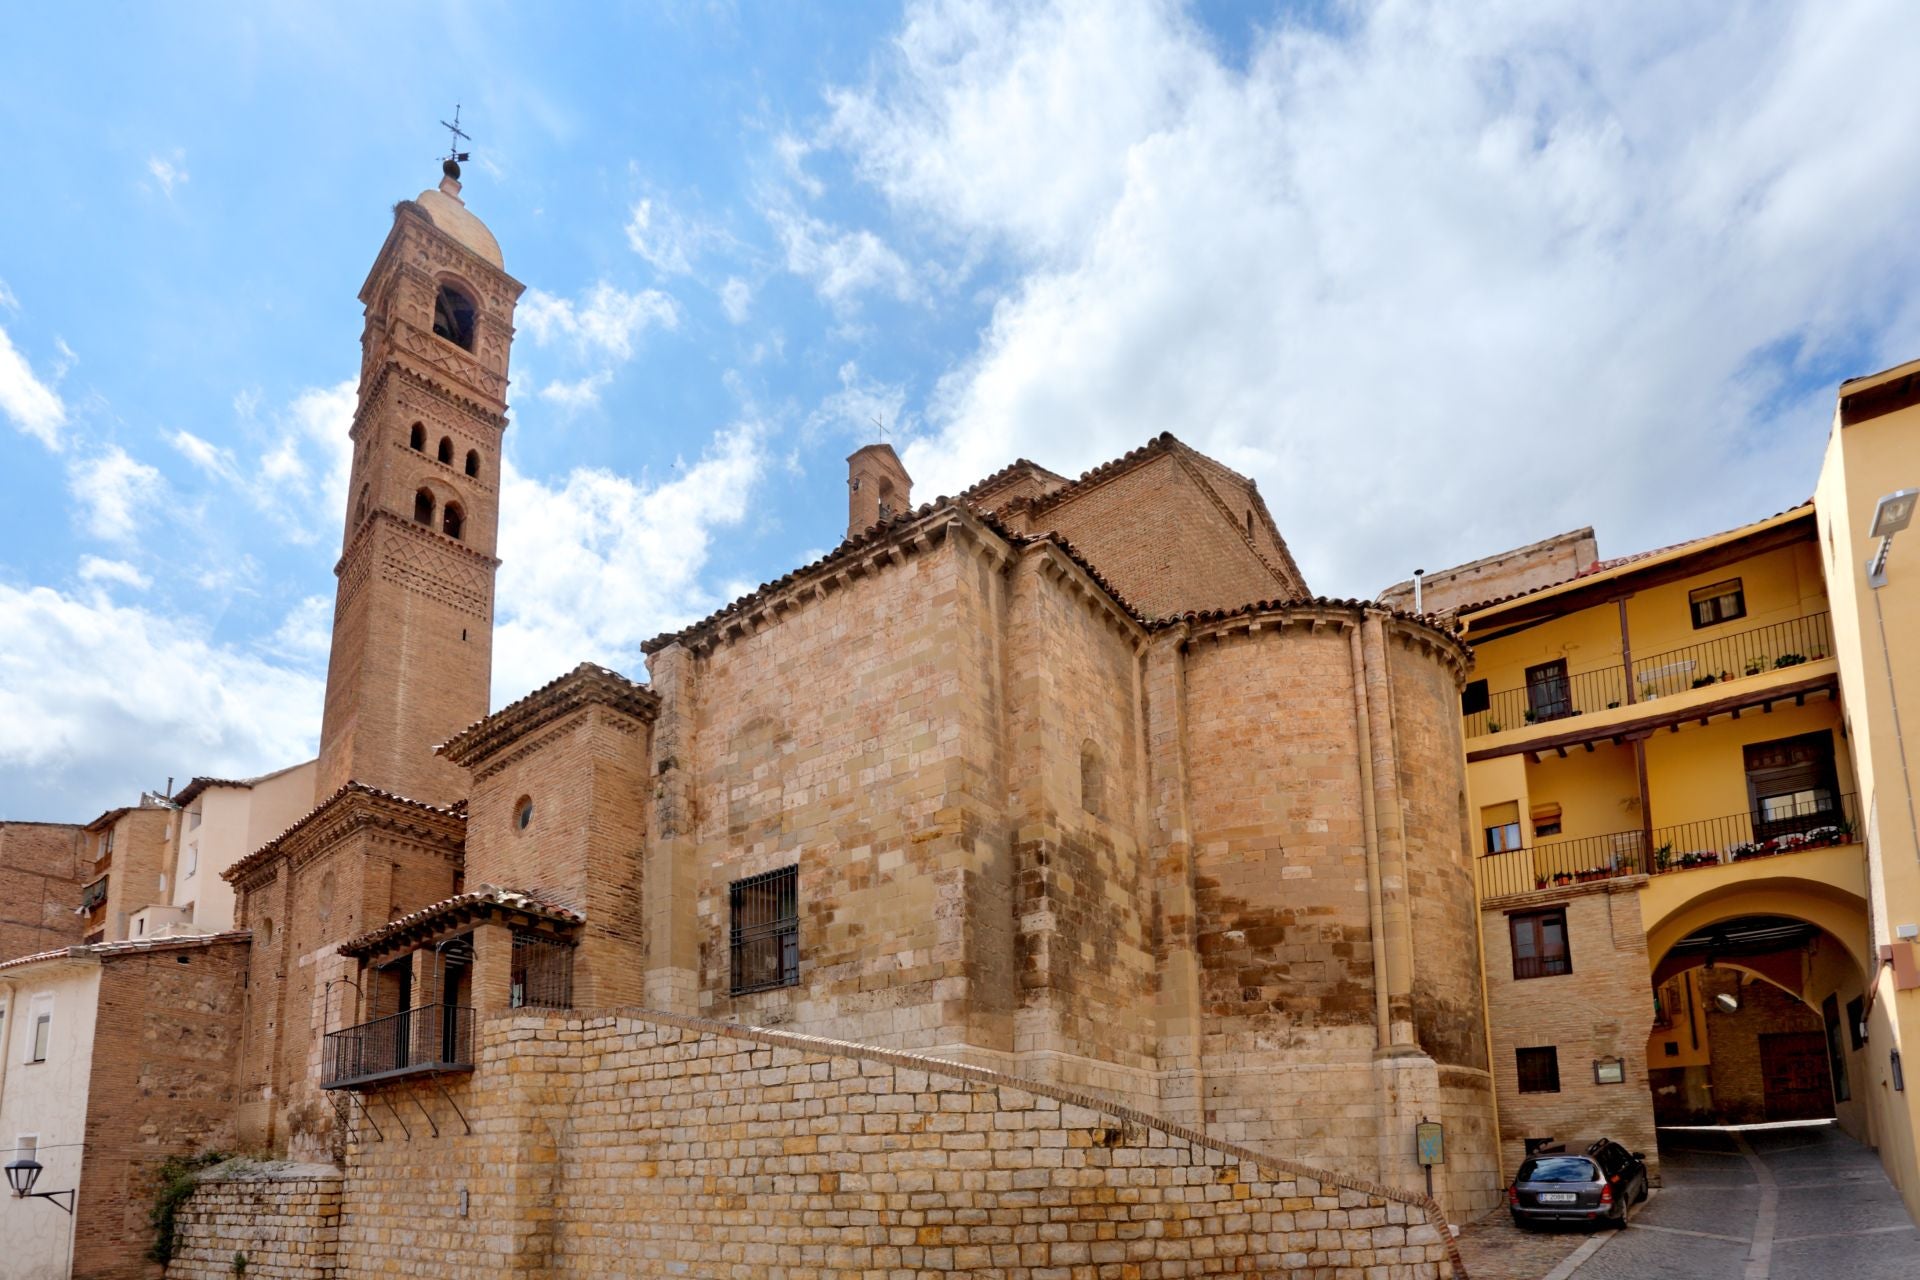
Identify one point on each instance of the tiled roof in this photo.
(586, 683)
(133, 946)
(1437, 622)
(488, 899)
(231, 875)
(1607, 566)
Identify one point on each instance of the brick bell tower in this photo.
(413, 614)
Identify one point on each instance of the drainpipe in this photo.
(1418, 599)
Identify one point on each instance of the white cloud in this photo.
(860, 406)
(1394, 268)
(736, 299)
(204, 454)
(793, 153)
(99, 700)
(666, 238)
(581, 393)
(116, 491)
(300, 476)
(842, 264)
(597, 563)
(306, 633)
(95, 569)
(33, 407)
(606, 321)
(169, 171)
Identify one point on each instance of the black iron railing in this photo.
(765, 937)
(419, 1041)
(1554, 699)
(1745, 653)
(1563, 862)
(1740, 837)
(1724, 658)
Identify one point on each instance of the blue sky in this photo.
(1443, 278)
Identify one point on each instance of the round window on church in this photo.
(523, 813)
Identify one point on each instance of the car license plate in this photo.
(1557, 1197)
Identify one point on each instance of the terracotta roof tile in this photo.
(132, 946)
(480, 901)
(458, 809)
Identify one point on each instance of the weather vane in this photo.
(454, 154)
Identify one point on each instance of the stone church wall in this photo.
(642, 1144)
(283, 1218)
(858, 739)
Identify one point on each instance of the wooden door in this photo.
(1794, 1075)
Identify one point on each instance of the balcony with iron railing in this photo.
(431, 1039)
(1741, 837)
(1724, 659)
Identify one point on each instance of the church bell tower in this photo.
(413, 614)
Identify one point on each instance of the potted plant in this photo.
(1493, 726)
(1789, 660)
(1758, 665)
(1701, 682)
(1663, 857)
(1562, 877)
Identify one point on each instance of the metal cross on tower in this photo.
(454, 153)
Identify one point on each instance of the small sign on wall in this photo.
(1609, 1071)
(1430, 1141)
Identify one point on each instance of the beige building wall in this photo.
(218, 826)
(45, 1101)
(1874, 449)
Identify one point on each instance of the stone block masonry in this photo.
(645, 1144)
(284, 1218)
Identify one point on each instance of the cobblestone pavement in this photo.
(1767, 1202)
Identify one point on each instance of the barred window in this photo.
(766, 930)
(542, 975)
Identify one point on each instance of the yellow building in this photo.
(1697, 856)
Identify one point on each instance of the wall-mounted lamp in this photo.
(22, 1174)
(1890, 515)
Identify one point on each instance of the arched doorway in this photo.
(1757, 1021)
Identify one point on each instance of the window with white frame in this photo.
(40, 1029)
(193, 860)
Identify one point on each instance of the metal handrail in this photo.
(1741, 837)
(428, 1038)
(1562, 862)
(1725, 658)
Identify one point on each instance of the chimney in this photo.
(878, 487)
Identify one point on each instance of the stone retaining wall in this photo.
(643, 1144)
(285, 1218)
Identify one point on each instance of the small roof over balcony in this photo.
(459, 913)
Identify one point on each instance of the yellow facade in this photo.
(1716, 724)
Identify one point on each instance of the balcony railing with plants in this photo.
(1743, 837)
(1713, 842)
(1563, 862)
(1724, 658)
(425, 1040)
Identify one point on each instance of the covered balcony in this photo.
(1625, 691)
(427, 978)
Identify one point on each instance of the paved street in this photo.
(1787, 1202)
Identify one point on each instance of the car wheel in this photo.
(1620, 1223)
(1521, 1223)
(1642, 1197)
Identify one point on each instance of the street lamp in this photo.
(22, 1174)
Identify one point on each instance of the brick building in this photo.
(1071, 781)
(43, 868)
(113, 1057)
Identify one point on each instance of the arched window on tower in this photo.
(360, 508)
(886, 500)
(1093, 780)
(473, 462)
(423, 508)
(446, 450)
(453, 316)
(454, 521)
(418, 437)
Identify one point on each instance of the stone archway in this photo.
(1757, 1017)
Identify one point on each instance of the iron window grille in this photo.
(542, 972)
(765, 935)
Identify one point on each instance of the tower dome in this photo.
(450, 213)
